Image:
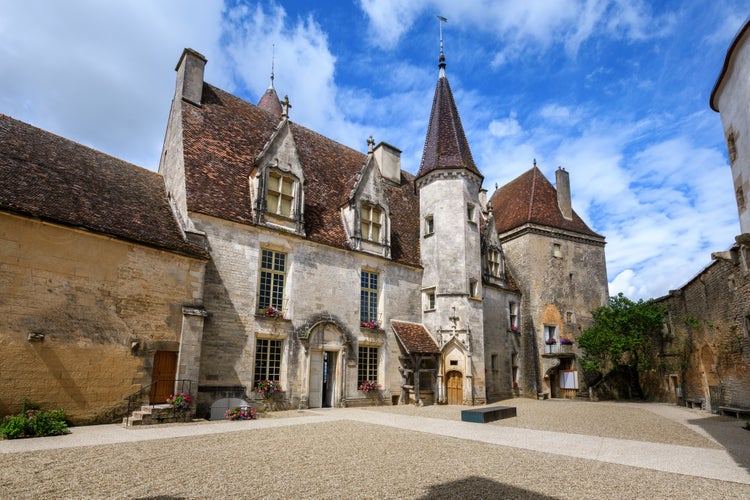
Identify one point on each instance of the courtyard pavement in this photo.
(719, 464)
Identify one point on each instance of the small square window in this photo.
(429, 303)
(429, 225)
(473, 288)
(556, 250)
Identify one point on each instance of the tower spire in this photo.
(273, 57)
(441, 59)
(269, 101)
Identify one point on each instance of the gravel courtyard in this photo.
(353, 459)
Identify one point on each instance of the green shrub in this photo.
(13, 427)
(34, 422)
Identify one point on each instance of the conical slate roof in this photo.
(445, 146)
(270, 101)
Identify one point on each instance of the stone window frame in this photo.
(474, 289)
(368, 223)
(557, 250)
(430, 302)
(268, 358)
(546, 335)
(471, 213)
(272, 278)
(513, 315)
(429, 225)
(369, 296)
(495, 264)
(368, 360)
(282, 179)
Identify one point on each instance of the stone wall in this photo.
(90, 298)
(559, 290)
(708, 345)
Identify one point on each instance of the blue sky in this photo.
(615, 91)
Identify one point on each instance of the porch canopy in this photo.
(417, 344)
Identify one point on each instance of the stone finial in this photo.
(370, 144)
(285, 105)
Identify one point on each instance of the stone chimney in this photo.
(389, 161)
(190, 76)
(562, 178)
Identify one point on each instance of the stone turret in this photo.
(449, 184)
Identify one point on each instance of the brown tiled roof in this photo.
(415, 338)
(531, 199)
(54, 179)
(223, 138)
(445, 145)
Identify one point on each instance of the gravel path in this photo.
(616, 420)
(348, 459)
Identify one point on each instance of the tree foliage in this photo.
(624, 332)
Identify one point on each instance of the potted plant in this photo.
(241, 413)
(180, 403)
(272, 312)
(370, 324)
(550, 341)
(369, 387)
(267, 390)
(566, 341)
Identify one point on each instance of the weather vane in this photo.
(442, 20)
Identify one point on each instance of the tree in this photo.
(624, 333)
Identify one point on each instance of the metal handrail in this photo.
(177, 385)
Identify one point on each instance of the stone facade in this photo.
(705, 359)
(263, 250)
(83, 315)
(706, 356)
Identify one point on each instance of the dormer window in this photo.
(371, 222)
(280, 195)
(495, 263)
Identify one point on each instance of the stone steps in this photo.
(155, 414)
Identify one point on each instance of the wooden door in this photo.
(454, 383)
(163, 376)
(315, 397)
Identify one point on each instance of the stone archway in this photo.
(326, 359)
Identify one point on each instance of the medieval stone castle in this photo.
(264, 250)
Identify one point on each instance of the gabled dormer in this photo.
(277, 183)
(493, 260)
(366, 212)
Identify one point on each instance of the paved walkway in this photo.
(699, 462)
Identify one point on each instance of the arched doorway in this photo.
(454, 384)
(325, 363)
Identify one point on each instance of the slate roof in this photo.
(223, 138)
(445, 146)
(531, 199)
(415, 338)
(54, 179)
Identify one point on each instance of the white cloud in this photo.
(505, 127)
(102, 75)
(522, 28)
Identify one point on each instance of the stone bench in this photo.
(695, 403)
(488, 414)
(733, 409)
